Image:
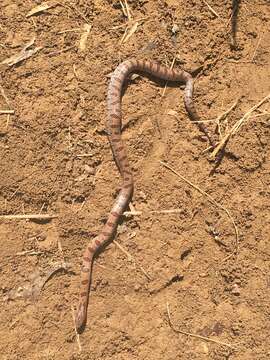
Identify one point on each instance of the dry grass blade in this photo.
(178, 331)
(54, 53)
(28, 252)
(165, 87)
(29, 216)
(42, 7)
(129, 32)
(9, 112)
(256, 49)
(131, 258)
(212, 200)
(166, 212)
(3, 94)
(129, 23)
(237, 126)
(224, 115)
(69, 30)
(210, 8)
(84, 155)
(126, 10)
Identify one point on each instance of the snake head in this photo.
(80, 319)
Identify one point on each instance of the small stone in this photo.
(41, 237)
(175, 29)
(137, 287)
(235, 290)
(203, 274)
(89, 169)
(81, 177)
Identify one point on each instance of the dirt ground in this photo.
(187, 266)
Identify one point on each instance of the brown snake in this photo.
(114, 125)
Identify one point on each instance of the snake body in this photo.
(114, 124)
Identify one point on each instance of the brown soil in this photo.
(55, 158)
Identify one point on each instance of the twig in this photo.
(130, 257)
(210, 8)
(29, 216)
(178, 331)
(212, 200)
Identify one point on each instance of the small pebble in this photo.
(89, 169)
(175, 29)
(235, 289)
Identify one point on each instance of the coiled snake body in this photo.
(114, 124)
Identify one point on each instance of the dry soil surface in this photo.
(56, 159)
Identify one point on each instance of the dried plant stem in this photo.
(169, 211)
(166, 84)
(131, 258)
(210, 8)
(130, 22)
(226, 113)
(237, 126)
(29, 216)
(212, 200)
(256, 49)
(9, 112)
(193, 335)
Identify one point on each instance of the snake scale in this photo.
(114, 125)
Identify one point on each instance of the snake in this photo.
(113, 129)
